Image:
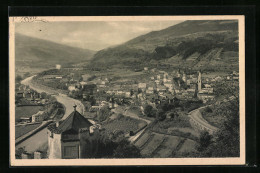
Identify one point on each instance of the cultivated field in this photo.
(23, 129)
(158, 145)
(125, 124)
(26, 111)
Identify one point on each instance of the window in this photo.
(70, 152)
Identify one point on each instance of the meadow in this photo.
(26, 111)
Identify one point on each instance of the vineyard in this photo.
(125, 124)
(158, 145)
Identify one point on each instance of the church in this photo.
(72, 138)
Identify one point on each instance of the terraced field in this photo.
(152, 145)
(158, 145)
(187, 145)
(165, 150)
(125, 124)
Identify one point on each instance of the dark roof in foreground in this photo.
(74, 121)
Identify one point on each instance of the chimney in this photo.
(75, 106)
(57, 123)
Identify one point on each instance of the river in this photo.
(40, 138)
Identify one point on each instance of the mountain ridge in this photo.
(44, 52)
(183, 39)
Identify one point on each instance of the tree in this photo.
(131, 92)
(126, 150)
(52, 99)
(18, 78)
(160, 115)
(43, 95)
(103, 114)
(227, 139)
(19, 152)
(114, 145)
(149, 111)
(204, 141)
(226, 142)
(27, 74)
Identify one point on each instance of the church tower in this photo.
(199, 81)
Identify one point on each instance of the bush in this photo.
(103, 114)
(161, 115)
(208, 110)
(126, 150)
(149, 111)
(204, 141)
(18, 78)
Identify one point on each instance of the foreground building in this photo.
(72, 138)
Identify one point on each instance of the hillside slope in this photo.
(36, 52)
(190, 44)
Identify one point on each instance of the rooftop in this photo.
(74, 121)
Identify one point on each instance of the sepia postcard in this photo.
(127, 90)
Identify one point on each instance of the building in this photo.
(73, 88)
(199, 81)
(38, 117)
(51, 77)
(72, 138)
(205, 97)
(85, 77)
(25, 119)
(184, 78)
(142, 85)
(20, 94)
(89, 89)
(37, 155)
(58, 66)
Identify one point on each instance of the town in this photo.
(126, 89)
(160, 107)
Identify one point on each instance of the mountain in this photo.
(197, 44)
(34, 53)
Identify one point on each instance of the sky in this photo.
(93, 35)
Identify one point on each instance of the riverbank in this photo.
(62, 98)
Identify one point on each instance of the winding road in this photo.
(199, 122)
(40, 139)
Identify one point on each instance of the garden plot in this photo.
(188, 146)
(168, 146)
(143, 140)
(26, 111)
(125, 124)
(153, 144)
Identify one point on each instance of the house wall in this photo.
(54, 143)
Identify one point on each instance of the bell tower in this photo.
(199, 81)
